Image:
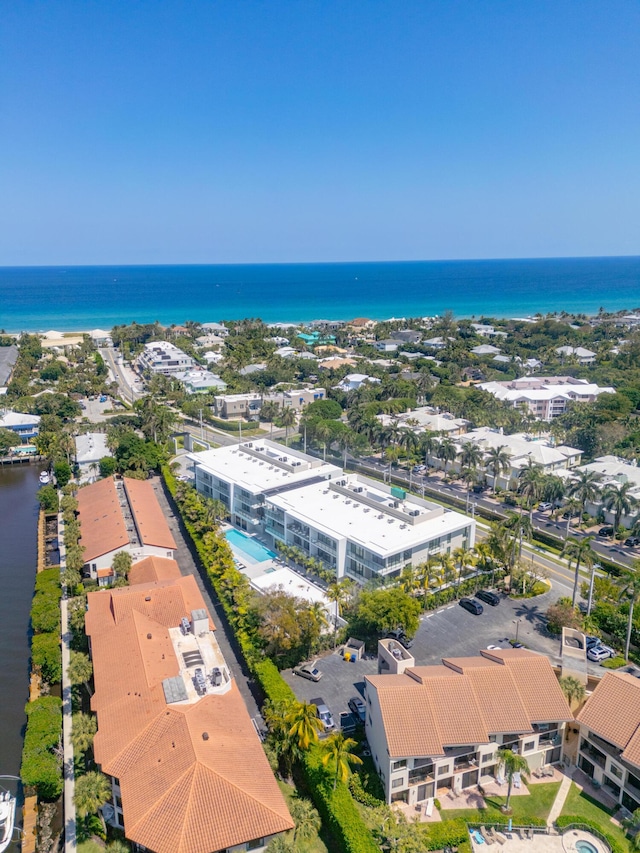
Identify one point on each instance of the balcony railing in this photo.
(423, 774)
(593, 754)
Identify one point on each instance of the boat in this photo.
(7, 818)
(45, 478)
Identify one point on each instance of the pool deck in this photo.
(542, 843)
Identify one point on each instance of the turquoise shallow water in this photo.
(73, 298)
(250, 548)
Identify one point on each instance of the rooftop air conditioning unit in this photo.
(381, 516)
(414, 512)
(358, 489)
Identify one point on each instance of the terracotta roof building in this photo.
(188, 771)
(120, 515)
(440, 727)
(609, 750)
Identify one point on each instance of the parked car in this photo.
(545, 506)
(399, 636)
(592, 641)
(598, 653)
(348, 722)
(103, 399)
(607, 530)
(574, 513)
(324, 714)
(358, 707)
(516, 644)
(471, 605)
(488, 597)
(632, 541)
(308, 670)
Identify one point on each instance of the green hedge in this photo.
(448, 833)
(46, 655)
(45, 606)
(41, 768)
(567, 820)
(337, 808)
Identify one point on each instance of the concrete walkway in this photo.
(70, 841)
(561, 796)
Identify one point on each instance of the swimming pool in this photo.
(584, 846)
(248, 548)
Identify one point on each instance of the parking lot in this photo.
(448, 632)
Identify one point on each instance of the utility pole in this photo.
(591, 582)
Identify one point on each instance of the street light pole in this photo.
(517, 621)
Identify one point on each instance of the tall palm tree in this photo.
(337, 754)
(470, 455)
(304, 724)
(552, 488)
(497, 461)
(581, 551)
(630, 585)
(428, 446)
(513, 764)
(269, 413)
(585, 488)
(530, 485)
(570, 506)
(287, 420)
(339, 593)
(92, 791)
(83, 729)
(446, 451)
(618, 501)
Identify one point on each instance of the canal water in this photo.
(18, 558)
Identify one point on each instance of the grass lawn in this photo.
(580, 804)
(536, 805)
(90, 846)
(314, 845)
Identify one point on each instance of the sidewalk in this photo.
(67, 712)
(561, 796)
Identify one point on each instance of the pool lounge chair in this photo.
(486, 835)
(497, 836)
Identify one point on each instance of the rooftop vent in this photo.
(205, 735)
(149, 637)
(147, 598)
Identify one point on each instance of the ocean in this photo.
(83, 298)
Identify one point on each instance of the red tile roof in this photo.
(613, 712)
(101, 522)
(152, 569)
(150, 521)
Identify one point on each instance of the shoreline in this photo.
(78, 332)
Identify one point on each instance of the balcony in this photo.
(421, 775)
(593, 754)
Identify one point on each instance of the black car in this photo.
(488, 597)
(471, 605)
(400, 637)
(632, 541)
(607, 530)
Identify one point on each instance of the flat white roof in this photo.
(369, 518)
(91, 447)
(261, 465)
(293, 584)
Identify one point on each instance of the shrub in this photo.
(45, 607)
(62, 471)
(48, 498)
(41, 768)
(613, 663)
(47, 656)
(448, 833)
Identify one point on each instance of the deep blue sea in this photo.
(83, 298)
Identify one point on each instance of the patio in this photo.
(516, 842)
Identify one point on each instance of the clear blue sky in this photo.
(239, 131)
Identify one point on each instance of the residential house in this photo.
(353, 381)
(434, 729)
(100, 338)
(25, 426)
(188, 772)
(237, 405)
(545, 397)
(427, 419)
(199, 381)
(296, 399)
(242, 476)
(362, 529)
(609, 748)
(614, 472)
(389, 345)
(120, 515)
(8, 359)
(91, 447)
(580, 354)
(216, 329)
(485, 349)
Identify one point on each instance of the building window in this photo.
(397, 765)
(256, 844)
(397, 783)
(528, 746)
(442, 771)
(616, 771)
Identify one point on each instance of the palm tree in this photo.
(92, 791)
(470, 456)
(618, 500)
(513, 764)
(630, 584)
(80, 670)
(497, 461)
(287, 420)
(304, 724)
(269, 413)
(306, 819)
(581, 551)
(337, 753)
(585, 488)
(428, 446)
(339, 593)
(552, 488)
(323, 433)
(446, 451)
(570, 506)
(573, 689)
(84, 727)
(632, 825)
(530, 485)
